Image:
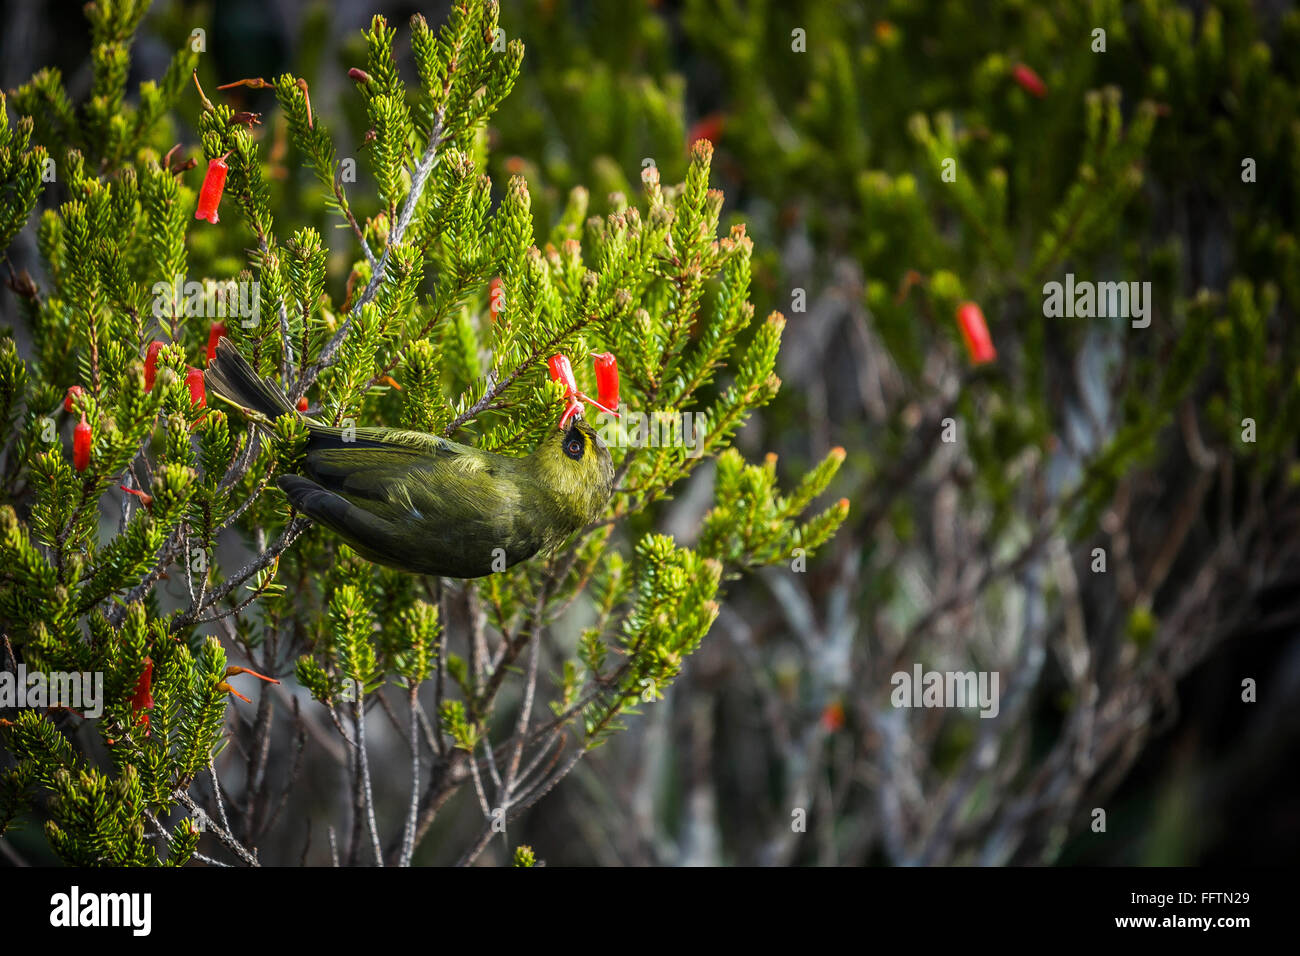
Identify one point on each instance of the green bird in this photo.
(428, 505)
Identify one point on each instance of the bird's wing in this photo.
(407, 477)
(368, 533)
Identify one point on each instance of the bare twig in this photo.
(287, 537)
(364, 760)
(221, 832)
(408, 835)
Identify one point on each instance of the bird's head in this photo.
(575, 466)
(572, 461)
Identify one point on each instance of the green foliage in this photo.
(409, 328)
(524, 856)
(893, 169)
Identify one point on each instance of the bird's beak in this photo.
(571, 411)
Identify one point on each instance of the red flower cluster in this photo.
(607, 382)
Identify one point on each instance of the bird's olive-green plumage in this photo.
(425, 504)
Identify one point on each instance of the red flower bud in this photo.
(302, 404)
(707, 127)
(142, 700)
(73, 392)
(1029, 81)
(214, 336)
(198, 395)
(976, 333)
(151, 364)
(606, 380)
(562, 371)
(361, 76)
(833, 716)
(214, 183)
(81, 436)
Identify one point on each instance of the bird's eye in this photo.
(574, 447)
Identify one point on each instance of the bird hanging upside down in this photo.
(429, 505)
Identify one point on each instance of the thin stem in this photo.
(221, 832)
(497, 387)
(287, 537)
(408, 836)
(365, 780)
(352, 220)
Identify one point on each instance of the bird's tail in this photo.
(233, 379)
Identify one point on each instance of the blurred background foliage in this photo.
(1121, 689)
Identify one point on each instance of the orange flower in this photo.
(146, 499)
(833, 717)
(232, 671)
(496, 299)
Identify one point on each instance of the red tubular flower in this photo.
(1029, 81)
(707, 127)
(151, 364)
(214, 183)
(606, 367)
(976, 333)
(142, 700)
(198, 395)
(562, 371)
(214, 336)
(70, 397)
(81, 436)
